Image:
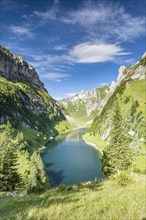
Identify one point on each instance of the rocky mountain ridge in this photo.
(16, 69)
(129, 90)
(96, 99)
(90, 99)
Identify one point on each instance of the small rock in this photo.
(134, 174)
(11, 194)
(21, 200)
(14, 194)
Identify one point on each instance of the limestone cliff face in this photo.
(15, 69)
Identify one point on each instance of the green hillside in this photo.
(32, 112)
(103, 200)
(136, 91)
(131, 97)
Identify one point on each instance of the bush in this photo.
(69, 188)
(122, 179)
(127, 99)
(62, 187)
(79, 184)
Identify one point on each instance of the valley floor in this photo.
(94, 201)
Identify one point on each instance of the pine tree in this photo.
(23, 168)
(17, 168)
(37, 178)
(20, 142)
(9, 178)
(117, 155)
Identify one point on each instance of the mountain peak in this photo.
(144, 55)
(16, 69)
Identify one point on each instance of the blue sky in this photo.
(74, 44)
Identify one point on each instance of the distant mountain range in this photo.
(95, 107)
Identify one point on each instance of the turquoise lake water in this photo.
(69, 160)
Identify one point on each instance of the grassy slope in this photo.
(10, 102)
(64, 126)
(97, 201)
(95, 140)
(78, 113)
(136, 90)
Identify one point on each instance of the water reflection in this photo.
(69, 159)
(76, 135)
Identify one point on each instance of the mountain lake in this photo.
(69, 159)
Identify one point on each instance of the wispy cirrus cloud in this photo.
(55, 76)
(49, 14)
(107, 20)
(51, 63)
(21, 31)
(98, 19)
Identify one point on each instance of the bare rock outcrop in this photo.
(16, 69)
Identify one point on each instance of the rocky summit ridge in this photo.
(16, 69)
(97, 98)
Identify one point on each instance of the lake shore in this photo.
(88, 141)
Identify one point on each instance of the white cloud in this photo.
(93, 53)
(58, 80)
(60, 47)
(54, 76)
(21, 31)
(71, 94)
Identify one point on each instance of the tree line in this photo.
(19, 170)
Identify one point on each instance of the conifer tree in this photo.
(37, 178)
(17, 168)
(9, 178)
(23, 168)
(117, 155)
(20, 142)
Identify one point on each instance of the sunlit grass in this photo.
(103, 201)
(95, 139)
(64, 126)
